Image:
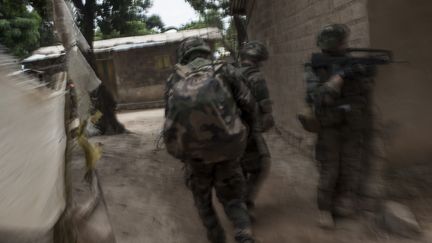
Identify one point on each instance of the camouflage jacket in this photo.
(330, 105)
(256, 82)
(241, 94)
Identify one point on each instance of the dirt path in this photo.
(148, 202)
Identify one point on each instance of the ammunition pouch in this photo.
(309, 121)
(266, 117)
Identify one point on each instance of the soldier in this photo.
(341, 100)
(256, 160)
(204, 130)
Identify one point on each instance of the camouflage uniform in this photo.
(225, 175)
(256, 160)
(343, 143)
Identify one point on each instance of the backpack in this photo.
(203, 121)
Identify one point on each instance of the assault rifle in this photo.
(367, 57)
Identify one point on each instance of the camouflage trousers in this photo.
(255, 164)
(227, 180)
(343, 156)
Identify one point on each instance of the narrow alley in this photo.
(149, 203)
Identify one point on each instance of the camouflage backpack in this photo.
(203, 122)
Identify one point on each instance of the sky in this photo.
(173, 12)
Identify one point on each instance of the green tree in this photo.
(212, 18)
(154, 22)
(203, 6)
(235, 35)
(46, 28)
(116, 18)
(126, 18)
(213, 13)
(19, 27)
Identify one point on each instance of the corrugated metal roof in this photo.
(126, 43)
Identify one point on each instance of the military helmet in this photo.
(331, 36)
(190, 45)
(254, 50)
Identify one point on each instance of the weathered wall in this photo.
(288, 28)
(403, 92)
(139, 74)
(136, 77)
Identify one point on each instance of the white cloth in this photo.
(85, 80)
(32, 154)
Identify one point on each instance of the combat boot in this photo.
(244, 236)
(326, 220)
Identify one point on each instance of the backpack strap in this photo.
(218, 66)
(182, 70)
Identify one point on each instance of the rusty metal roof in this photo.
(127, 43)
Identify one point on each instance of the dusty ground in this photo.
(148, 202)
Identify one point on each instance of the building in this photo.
(133, 68)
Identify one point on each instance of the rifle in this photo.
(374, 57)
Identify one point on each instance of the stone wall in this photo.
(288, 28)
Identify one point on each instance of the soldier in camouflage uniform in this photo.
(256, 160)
(341, 100)
(224, 175)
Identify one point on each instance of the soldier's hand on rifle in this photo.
(357, 70)
(333, 88)
(335, 82)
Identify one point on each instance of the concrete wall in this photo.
(403, 92)
(289, 28)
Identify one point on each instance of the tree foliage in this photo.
(46, 28)
(154, 22)
(212, 18)
(203, 6)
(213, 13)
(117, 18)
(19, 27)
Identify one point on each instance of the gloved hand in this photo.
(357, 70)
